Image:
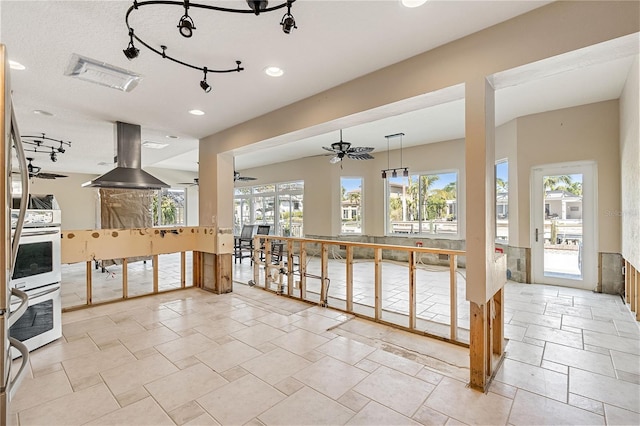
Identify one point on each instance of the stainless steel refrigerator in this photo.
(10, 381)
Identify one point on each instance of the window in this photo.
(168, 207)
(278, 205)
(351, 205)
(502, 201)
(423, 204)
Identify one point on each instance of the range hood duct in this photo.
(128, 173)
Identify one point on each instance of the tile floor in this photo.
(252, 357)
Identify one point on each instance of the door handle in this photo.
(536, 235)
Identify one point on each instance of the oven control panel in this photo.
(37, 218)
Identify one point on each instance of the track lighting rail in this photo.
(186, 27)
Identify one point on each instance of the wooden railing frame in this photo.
(263, 243)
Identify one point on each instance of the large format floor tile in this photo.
(255, 358)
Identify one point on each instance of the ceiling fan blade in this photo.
(360, 156)
(358, 149)
(331, 149)
(49, 176)
(335, 159)
(246, 178)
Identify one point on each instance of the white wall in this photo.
(630, 167)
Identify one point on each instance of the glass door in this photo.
(563, 226)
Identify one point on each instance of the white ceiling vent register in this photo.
(101, 73)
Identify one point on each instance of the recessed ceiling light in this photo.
(171, 137)
(273, 71)
(42, 112)
(413, 3)
(196, 112)
(16, 65)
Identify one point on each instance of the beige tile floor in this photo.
(252, 357)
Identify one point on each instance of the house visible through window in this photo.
(423, 204)
(351, 205)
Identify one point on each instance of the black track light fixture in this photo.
(258, 5)
(61, 149)
(288, 22)
(131, 52)
(43, 144)
(53, 156)
(205, 86)
(186, 25)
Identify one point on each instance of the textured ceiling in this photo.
(336, 41)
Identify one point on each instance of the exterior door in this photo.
(563, 225)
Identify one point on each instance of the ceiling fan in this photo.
(343, 149)
(237, 177)
(34, 172)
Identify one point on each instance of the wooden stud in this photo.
(155, 273)
(183, 269)
(377, 257)
(477, 346)
(290, 277)
(349, 277)
(89, 283)
(453, 297)
(125, 278)
(267, 262)
(223, 273)
(633, 287)
(324, 274)
(627, 268)
(303, 271)
(412, 289)
(636, 280)
(498, 323)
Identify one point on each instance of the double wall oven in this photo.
(37, 273)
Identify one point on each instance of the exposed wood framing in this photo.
(183, 269)
(156, 283)
(412, 290)
(125, 278)
(89, 272)
(349, 278)
(453, 290)
(377, 258)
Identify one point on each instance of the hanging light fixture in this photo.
(394, 171)
(45, 145)
(131, 52)
(205, 86)
(186, 26)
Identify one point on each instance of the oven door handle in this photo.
(17, 380)
(24, 304)
(38, 233)
(33, 297)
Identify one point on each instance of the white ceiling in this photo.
(336, 41)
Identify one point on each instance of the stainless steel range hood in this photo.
(128, 174)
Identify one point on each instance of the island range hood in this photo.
(128, 173)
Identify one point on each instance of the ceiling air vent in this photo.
(101, 73)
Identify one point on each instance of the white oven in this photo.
(37, 272)
(41, 323)
(38, 261)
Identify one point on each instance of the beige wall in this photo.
(507, 148)
(588, 132)
(630, 167)
(79, 204)
(584, 133)
(322, 183)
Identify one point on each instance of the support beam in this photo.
(482, 280)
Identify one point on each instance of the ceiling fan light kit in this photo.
(343, 149)
(186, 27)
